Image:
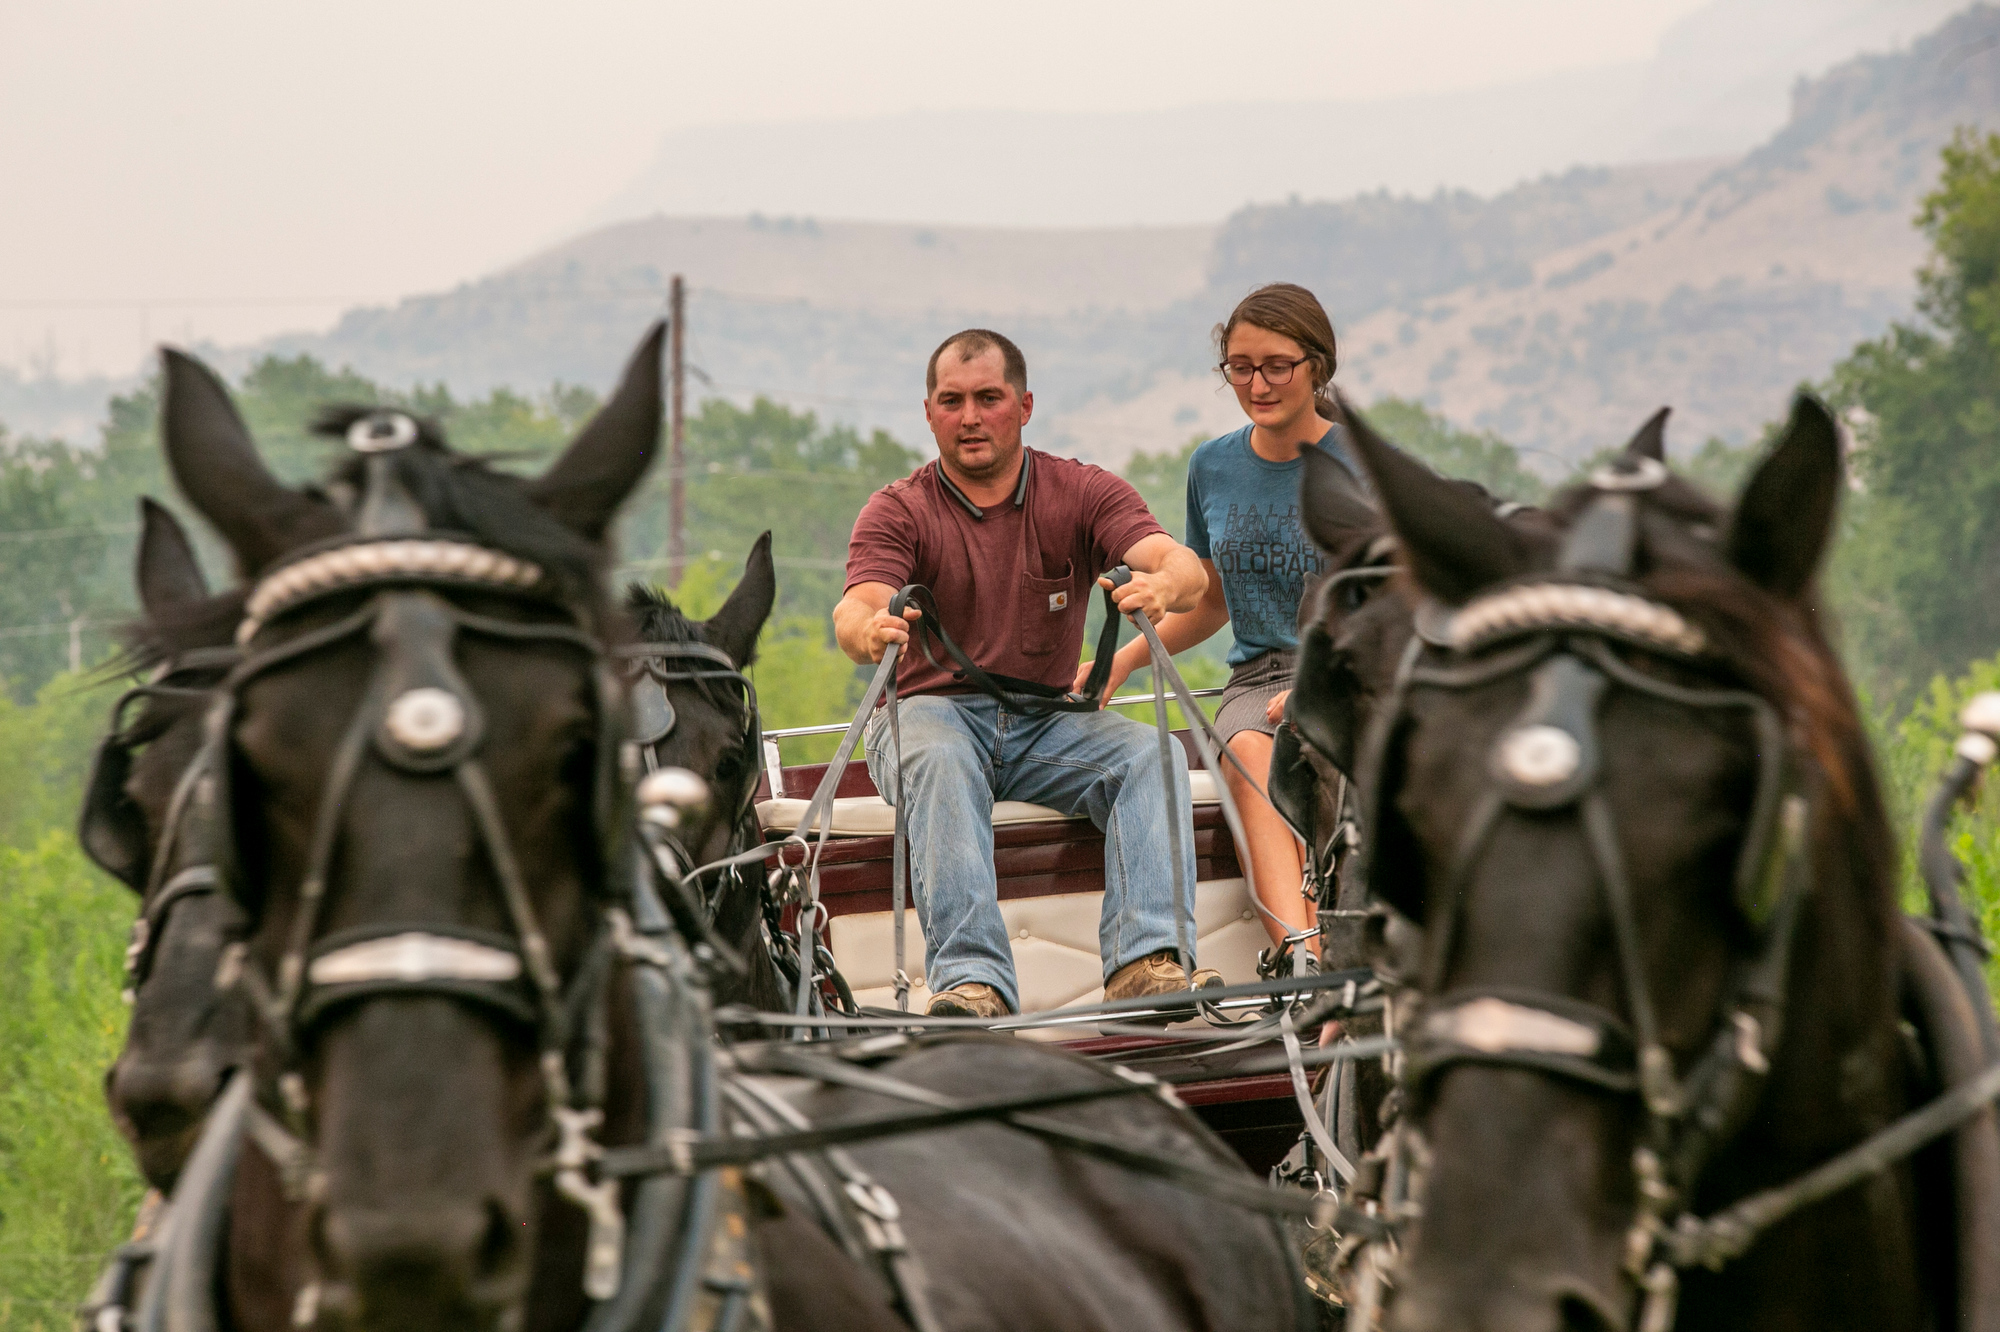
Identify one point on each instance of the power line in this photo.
(50, 533)
(59, 627)
(178, 303)
(782, 561)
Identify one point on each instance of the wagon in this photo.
(1050, 869)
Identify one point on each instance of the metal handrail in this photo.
(836, 728)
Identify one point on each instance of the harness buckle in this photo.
(634, 946)
(881, 1218)
(1657, 1083)
(1750, 1043)
(1662, 1287)
(604, 1250)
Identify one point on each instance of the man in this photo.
(1012, 542)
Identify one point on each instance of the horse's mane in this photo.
(461, 493)
(153, 639)
(456, 491)
(1777, 648)
(658, 619)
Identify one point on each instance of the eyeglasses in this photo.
(1275, 372)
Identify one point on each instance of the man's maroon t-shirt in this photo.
(1013, 583)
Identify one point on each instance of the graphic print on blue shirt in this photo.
(1243, 513)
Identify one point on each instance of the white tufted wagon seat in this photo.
(1055, 946)
(1054, 935)
(872, 816)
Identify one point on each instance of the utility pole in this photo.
(676, 431)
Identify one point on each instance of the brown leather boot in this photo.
(974, 999)
(1157, 973)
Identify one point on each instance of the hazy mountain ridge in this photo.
(1557, 312)
(1361, 254)
(1765, 275)
(1717, 85)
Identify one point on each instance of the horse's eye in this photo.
(1354, 595)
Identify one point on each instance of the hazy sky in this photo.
(191, 168)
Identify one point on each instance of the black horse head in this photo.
(1572, 783)
(696, 711)
(704, 721)
(416, 805)
(185, 1032)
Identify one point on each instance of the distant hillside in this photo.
(1562, 312)
(1764, 275)
(1558, 312)
(838, 316)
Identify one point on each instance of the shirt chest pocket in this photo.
(1045, 604)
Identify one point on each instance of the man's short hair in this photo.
(970, 343)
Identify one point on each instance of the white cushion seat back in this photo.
(872, 816)
(1054, 940)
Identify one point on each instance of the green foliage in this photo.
(761, 468)
(802, 678)
(67, 515)
(43, 493)
(1919, 578)
(1483, 457)
(44, 749)
(1914, 754)
(68, 1189)
(1719, 467)
(1161, 480)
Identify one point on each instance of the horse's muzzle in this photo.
(448, 1268)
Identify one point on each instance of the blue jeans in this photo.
(961, 753)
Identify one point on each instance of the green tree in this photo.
(67, 527)
(1161, 480)
(1919, 576)
(1480, 456)
(766, 467)
(53, 549)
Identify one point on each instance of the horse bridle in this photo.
(1560, 632)
(651, 667)
(176, 868)
(420, 716)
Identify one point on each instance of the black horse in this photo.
(416, 803)
(185, 1033)
(1659, 961)
(708, 726)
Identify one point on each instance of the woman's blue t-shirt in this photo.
(1243, 513)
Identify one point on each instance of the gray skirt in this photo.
(1250, 690)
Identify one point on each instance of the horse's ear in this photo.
(1784, 517)
(110, 827)
(168, 575)
(1324, 701)
(585, 486)
(1651, 441)
(1336, 513)
(215, 464)
(735, 627)
(1452, 541)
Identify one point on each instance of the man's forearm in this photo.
(850, 627)
(1183, 568)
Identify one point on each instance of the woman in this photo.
(1278, 353)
